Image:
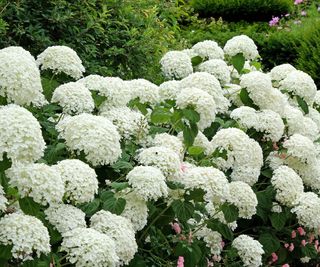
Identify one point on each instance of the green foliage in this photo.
(249, 10)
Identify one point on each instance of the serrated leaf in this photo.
(191, 115)
(196, 61)
(119, 186)
(189, 134)
(29, 206)
(195, 195)
(183, 209)
(245, 99)
(309, 251)
(302, 104)
(238, 62)
(278, 220)
(269, 242)
(160, 115)
(223, 229)
(230, 211)
(122, 165)
(195, 150)
(114, 205)
(90, 208)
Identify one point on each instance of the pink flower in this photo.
(176, 227)
(293, 234)
(316, 242)
(303, 242)
(180, 262)
(216, 258)
(297, 2)
(291, 247)
(301, 231)
(303, 13)
(286, 245)
(285, 265)
(183, 167)
(274, 21)
(222, 244)
(274, 257)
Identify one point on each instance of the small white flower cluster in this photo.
(208, 50)
(241, 44)
(169, 141)
(3, 200)
(74, 98)
(176, 65)
(20, 134)
(218, 68)
(61, 59)
(26, 233)
(249, 250)
(20, 80)
(244, 154)
(213, 239)
(169, 90)
(96, 136)
(280, 72)
(120, 230)
(146, 91)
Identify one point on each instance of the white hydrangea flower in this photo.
(88, 247)
(20, 80)
(26, 233)
(96, 136)
(241, 44)
(130, 123)
(217, 68)
(190, 52)
(305, 259)
(136, 209)
(80, 180)
(170, 141)
(120, 230)
(301, 147)
(310, 174)
(3, 200)
(249, 250)
(232, 92)
(244, 155)
(176, 65)
(20, 134)
(209, 84)
(213, 239)
(288, 185)
(280, 72)
(203, 102)
(65, 217)
(307, 210)
(208, 50)
(202, 141)
(169, 90)
(301, 84)
(210, 179)
(37, 180)
(74, 98)
(148, 182)
(146, 91)
(242, 196)
(314, 115)
(317, 99)
(276, 208)
(61, 59)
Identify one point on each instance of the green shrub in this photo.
(235, 10)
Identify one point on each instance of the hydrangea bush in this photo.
(217, 166)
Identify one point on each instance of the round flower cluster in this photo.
(169, 90)
(176, 65)
(80, 180)
(120, 230)
(37, 180)
(241, 44)
(212, 239)
(88, 247)
(26, 234)
(249, 250)
(65, 217)
(170, 141)
(96, 136)
(208, 50)
(217, 68)
(288, 185)
(61, 59)
(74, 98)
(280, 72)
(20, 80)
(20, 134)
(146, 91)
(244, 155)
(148, 182)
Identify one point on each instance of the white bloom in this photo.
(310, 174)
(208, 50)
(163, 158)
(20, 134)
(65, 217)
(26, 233)
(301, 84)
(317, 99)
(170, 141)
(3, 200)
(209, 84)
(203, 102)
(190, 52)
(276, 208)
(307, 210)
(80, 180)
(217, 68)
(244, 155)
(120, 230)
(74, 98)
(278, 73)
(176, 65)
(241, 44)
(37, 180)
(146, 91)
(148, 182)
(20, 80)
(88, 247)
(243, 197)
(202, 141)
(96, 136)
(130, 123)
(288, 185)
(232, 92)
(212, 239)
(314, 115)
(169, 90)
(249, 250)
(305, 259)
(61, 59)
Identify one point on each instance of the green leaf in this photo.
(119, 186)
(195, 150)
(122, 165)
(269, 242)
(238, 62)
(5, 252)
(90, 208)
(191, 115)
(189, 134)
(278, 220)
(98, 99)
(309, 251)
(246, 100)
(183, 209)
(230, 211)
(114, 205)
(137, 261)
(223, 229)
(195, 195)
(160, 115)
(29, 206)
(267, 173)
(196, 61)
(303, 104)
